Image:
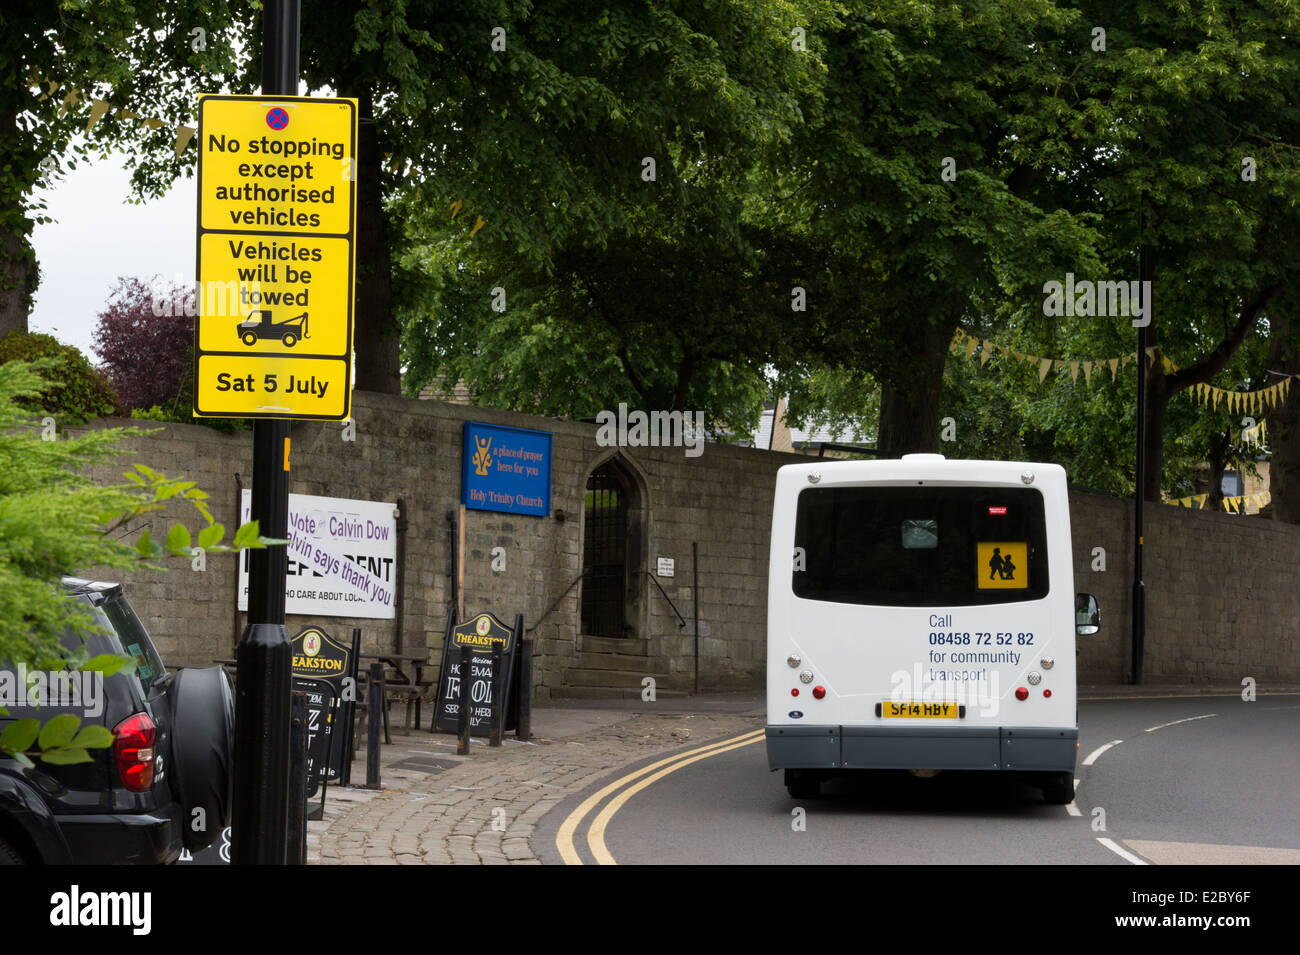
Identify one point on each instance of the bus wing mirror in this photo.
(1087, 615)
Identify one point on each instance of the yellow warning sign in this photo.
(1002, 565)
(268, 385)
(276, 260)
(290, 296)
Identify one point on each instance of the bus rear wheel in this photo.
(1058, 788)
(802, 785)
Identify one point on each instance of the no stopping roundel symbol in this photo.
(277, 118)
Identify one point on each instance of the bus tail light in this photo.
(819, 691)
(1022, 693)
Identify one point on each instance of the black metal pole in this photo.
(347, 708)
(399, 584)
(374, 713)
(296, 848)
(695, 597)
(1139, 588)
(524, 728)
(261, 776)
(496, 701)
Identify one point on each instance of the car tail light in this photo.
(133, 752)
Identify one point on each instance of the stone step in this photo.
(630, 645)
(585, 660)
(609, 693)
(582, 676)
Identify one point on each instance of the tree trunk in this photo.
(1161, 387)
(376, 334)
(1219, 446)
(1284, 423)
(18, 272)
(1154, 439)
(909, 401)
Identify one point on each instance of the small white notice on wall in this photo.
(665, 567)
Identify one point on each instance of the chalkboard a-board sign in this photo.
(480, 633)
(319, 657)
(321, 709)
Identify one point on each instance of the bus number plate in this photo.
(939, 711)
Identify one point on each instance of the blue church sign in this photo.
(506, 469)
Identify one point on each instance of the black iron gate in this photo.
(604, 554)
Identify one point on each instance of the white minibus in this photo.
(922, 616)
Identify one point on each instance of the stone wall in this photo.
(720, 501)
(1221, 602)
(1221, 593)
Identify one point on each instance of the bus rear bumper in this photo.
(1019, 749)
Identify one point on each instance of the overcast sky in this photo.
(96, 236)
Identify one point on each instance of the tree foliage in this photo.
(75, 392)
(148, 57)
(56, 521)
(144, 341)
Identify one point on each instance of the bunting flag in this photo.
(1230, 504)
(1238, 505)
(1256, 435)
(98, 109)
(1258, 402)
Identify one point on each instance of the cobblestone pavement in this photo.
(437, 808)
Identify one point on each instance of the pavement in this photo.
(438, 808)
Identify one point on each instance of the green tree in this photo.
(149, 57)
(54, 520)
(928, 161)
(506, 134)
(76, 392)
(1203, 138)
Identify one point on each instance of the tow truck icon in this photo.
(259, 326)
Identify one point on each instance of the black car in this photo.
(162, 787)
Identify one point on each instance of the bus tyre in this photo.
(801, 786)
(1058, 788)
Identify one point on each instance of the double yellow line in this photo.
(596, 833)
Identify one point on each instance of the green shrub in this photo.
(74, 391)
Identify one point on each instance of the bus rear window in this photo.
(920, 546)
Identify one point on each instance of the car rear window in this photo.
(920, 545)
(135, 642)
